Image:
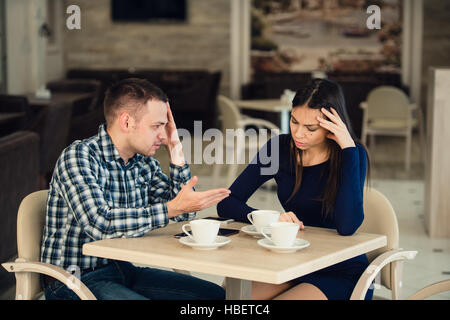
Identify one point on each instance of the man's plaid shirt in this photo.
(94, 196)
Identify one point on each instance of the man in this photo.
(109, 186)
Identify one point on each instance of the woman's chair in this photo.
(388, 112)
(232, 119)
(431, 290)
(380, 218)
(27, 268)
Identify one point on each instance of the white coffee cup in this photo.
(203, 231)
(283, 234)
(263, 218)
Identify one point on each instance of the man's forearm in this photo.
(176, 155)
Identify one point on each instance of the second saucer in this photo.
(251, 230)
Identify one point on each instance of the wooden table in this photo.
(240, 261)
(269, 105)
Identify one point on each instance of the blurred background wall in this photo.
(202, 42)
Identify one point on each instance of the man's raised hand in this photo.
(188, 200)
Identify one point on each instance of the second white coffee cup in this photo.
(263, 218)
(283, 234)
(203, 231)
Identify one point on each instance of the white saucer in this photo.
(298, 244)
(220, 241)
(251, 230)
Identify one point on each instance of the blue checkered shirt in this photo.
(94, 195)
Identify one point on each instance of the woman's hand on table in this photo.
(290, 217)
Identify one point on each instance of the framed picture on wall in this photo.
(311, 35)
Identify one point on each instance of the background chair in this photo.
(355, 92)
(17, 106)
(388, 112)
(431, 290)
(192, 93)
(52, 124)
(231, 118)
(87, 113)
(27, 268)
(19, 176)
(380, 218)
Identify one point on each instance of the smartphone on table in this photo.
(222, 232)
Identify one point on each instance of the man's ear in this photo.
(125, 122)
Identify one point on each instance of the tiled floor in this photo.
(406, 193)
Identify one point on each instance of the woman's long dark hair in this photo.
(323, 93)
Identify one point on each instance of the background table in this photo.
(269, 105)
(242, 260)
(58, 97)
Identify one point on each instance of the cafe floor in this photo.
(404, 189)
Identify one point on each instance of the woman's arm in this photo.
(255, 175)
(348, 209)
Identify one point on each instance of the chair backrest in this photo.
(19, 176)
(15, 103)
(79, 86)
(387, 102)
(53, 129)
(229, 112)
(380, 218)
(30, 226)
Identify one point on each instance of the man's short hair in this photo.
(131, 95)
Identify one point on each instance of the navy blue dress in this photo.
(338, 281)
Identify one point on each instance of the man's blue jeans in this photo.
(124, 281)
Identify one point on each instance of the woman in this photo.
(320, 183)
